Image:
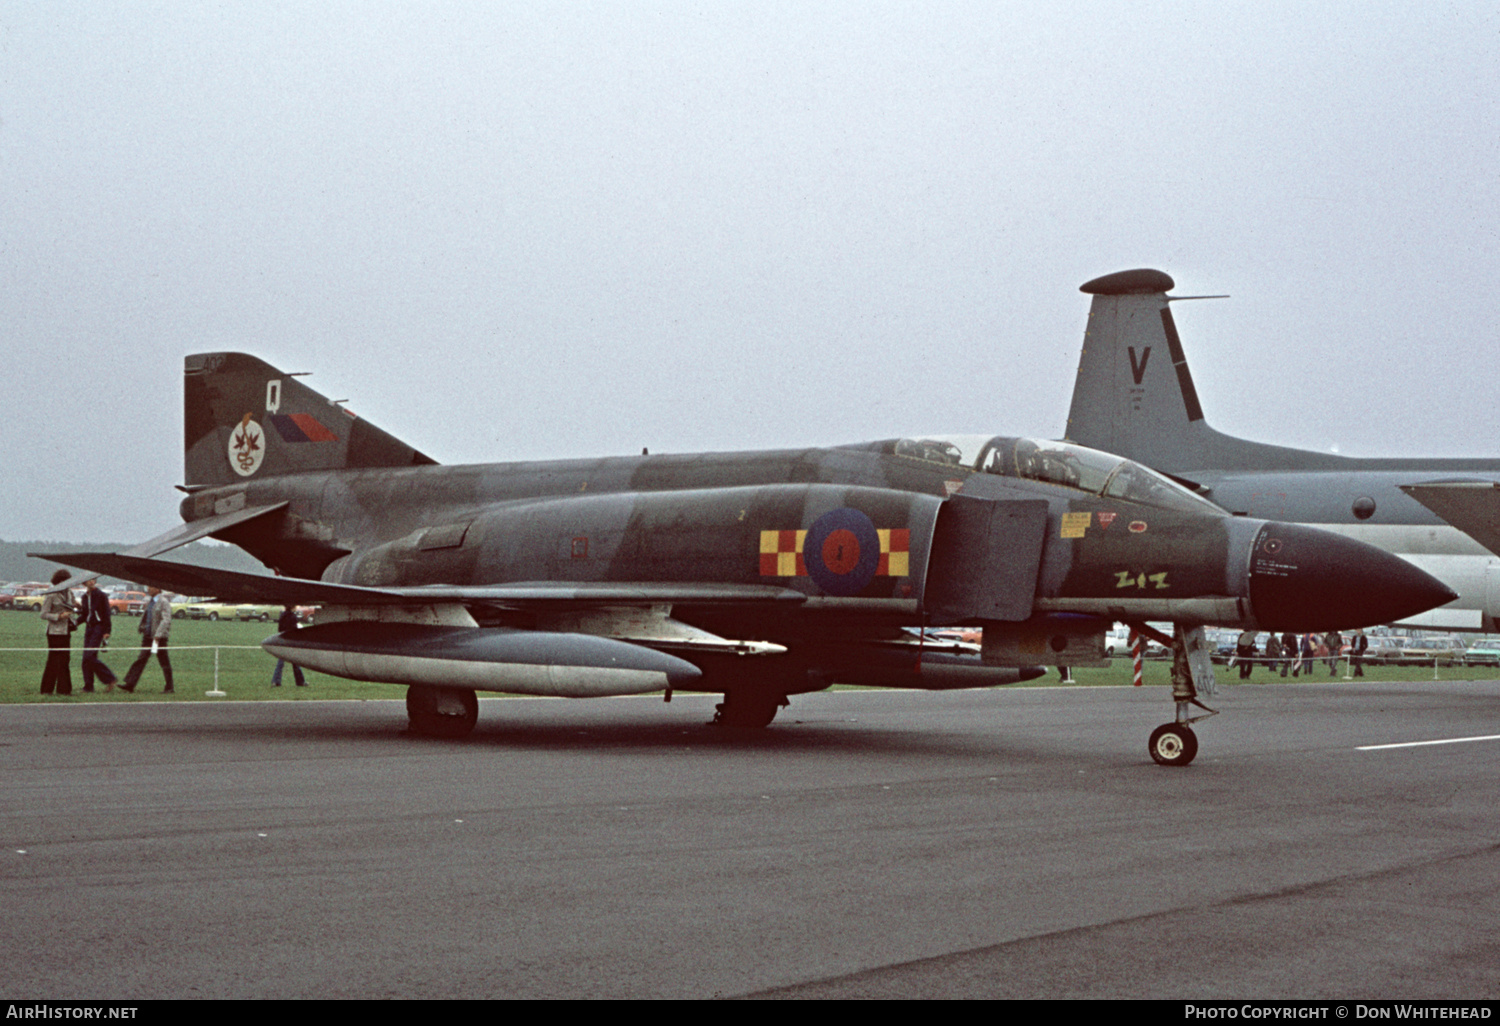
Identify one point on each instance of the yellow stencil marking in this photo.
(1074, 525)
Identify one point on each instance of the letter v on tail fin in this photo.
(244, 419)
(1135, 396)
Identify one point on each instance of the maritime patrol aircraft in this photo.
(1135, 396)
(758, 575)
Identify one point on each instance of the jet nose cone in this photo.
(1304, 579)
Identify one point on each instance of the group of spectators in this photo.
(1300, 653)
(92, 613)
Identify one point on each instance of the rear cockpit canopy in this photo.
(1059, 463)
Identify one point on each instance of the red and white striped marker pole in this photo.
(1135, 654)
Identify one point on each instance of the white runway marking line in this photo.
(1419, 744)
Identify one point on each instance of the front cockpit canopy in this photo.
(1059, 463)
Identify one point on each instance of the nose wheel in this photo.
(1173, 744)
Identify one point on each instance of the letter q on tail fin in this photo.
(244, 419)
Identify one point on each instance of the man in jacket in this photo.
(1357, 649)
(57, 610)
(1334, 642)
(156, 624)
(1289, 649)
(287, 623)
(95, 617)
(1244, 651)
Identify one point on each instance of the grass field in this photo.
(244, 671)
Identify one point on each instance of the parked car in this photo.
(1117, 642)
(253, 612)
(973, 635)
(29, 596)
(129, 603)
(1224, 645)
(937, 636)
(1485, 651)
(1386, 649)
(202, 611)
(1441, 649)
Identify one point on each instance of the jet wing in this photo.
(1471, 506)
(233, 586)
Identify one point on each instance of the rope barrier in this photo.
(216, 692)
(170, 648)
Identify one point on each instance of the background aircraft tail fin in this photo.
(1135, 395)
(244, 419)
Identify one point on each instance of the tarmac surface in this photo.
(885, 844)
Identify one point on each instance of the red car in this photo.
(122, 603)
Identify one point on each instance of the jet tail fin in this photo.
(246, 419)
(1135, 397)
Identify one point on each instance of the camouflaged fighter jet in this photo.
(1135, 396)
(758, 575)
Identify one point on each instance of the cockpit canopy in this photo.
(1059, 463)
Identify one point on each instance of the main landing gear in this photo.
(441, 712)
(753, 711)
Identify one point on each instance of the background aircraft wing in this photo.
(1471, 506)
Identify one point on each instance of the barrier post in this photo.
(1136, 644)
(216, 693)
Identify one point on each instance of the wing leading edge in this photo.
(234, 586)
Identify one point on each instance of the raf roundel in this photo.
(842, 552)
(247, 446)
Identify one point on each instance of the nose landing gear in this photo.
(1175, 744)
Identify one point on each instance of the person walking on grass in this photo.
(95, 617)
(155, 626)
(286, 623)
(57, 610)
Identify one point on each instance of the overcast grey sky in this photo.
(536, 230)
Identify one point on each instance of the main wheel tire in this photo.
(747, 711)
(442, 712)
(1173, 744)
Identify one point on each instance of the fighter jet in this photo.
(1135, 396)
(758, 575)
